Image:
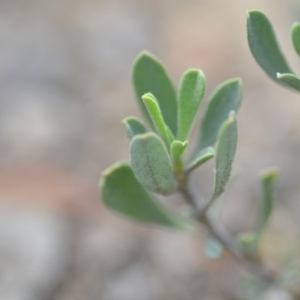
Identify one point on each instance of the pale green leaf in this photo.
(134, 126)
(226, 149)
(122, 193)
(151, 163)
(295, 32)
(226, 98)
(248, 244)
(201, 158)
(227, 142)
(150, 76)
(291, 80)
(191, 93)
(177, 150)
(268, 179)
(157, 118)
(264, 46)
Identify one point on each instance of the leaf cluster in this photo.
(266, 50)
(159, 164)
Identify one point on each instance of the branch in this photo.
(254, 266)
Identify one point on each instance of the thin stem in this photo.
(226, 239)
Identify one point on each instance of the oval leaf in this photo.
(227, 143)
(191, 93)
(295, 32)
(151, 163)
(134, 126)
(150, 76)
(263, 45)
(291, 80)
(122, 193)
(226, 98)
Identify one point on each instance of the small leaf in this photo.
(213, 249)
(291, 80)
(151, 163)
(295, 32)
(263, 44)
(177, 150)
(157, 118)
(122, 193)
(202, 157)
(134, 126)
(191, 93)
(226, 98)
(247, 242)
(268, 181)
(150, 76)
(227, 143)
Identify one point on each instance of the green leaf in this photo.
(248, 245)
(191, 93)
(291, 80)
(263, 45)
(157, 118)
(213, 249)
(151, 163)
(226, 98)
(122, 193)
(177, 150)
(200, 159)
(150, 76)
(226, 149)
(268, 182)
(134, 126)
(227, 142)
(295, 33)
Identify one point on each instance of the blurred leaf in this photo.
(268, 182)
(290, 80)
(202, 157)
(151, 163)
(295, 32)
(177, 150)
(122, 193)
(157, 118)
(134, 126)
(226, 98)
(227, 142)
(247, 242)
(213, 249)
(263, 45)
(191, 93)
(251, 288)
(150, 76)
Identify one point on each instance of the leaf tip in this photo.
(269, 174)
(148, 97)
(144, 55)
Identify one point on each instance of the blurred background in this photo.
(65, 86)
